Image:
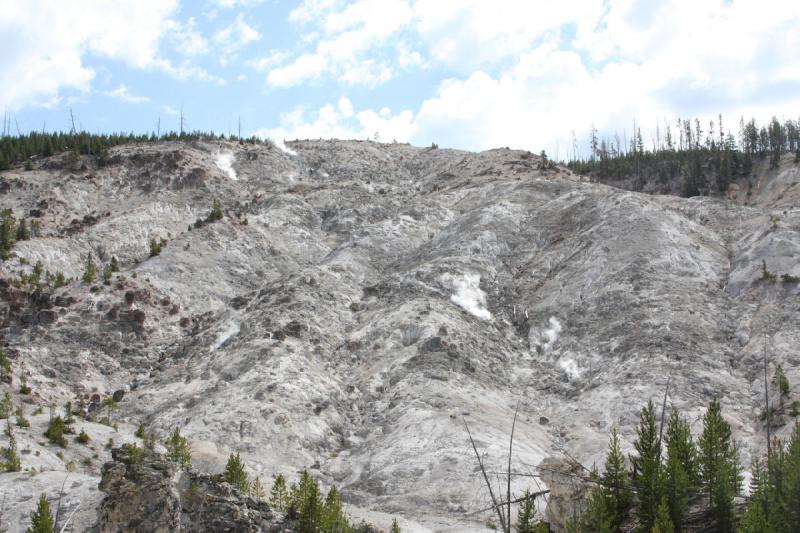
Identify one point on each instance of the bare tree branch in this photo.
(486, 479)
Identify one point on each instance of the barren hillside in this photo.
(358, 301)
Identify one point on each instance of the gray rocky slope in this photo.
(359, 301)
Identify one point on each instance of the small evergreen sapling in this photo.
(178, 449)
(90, 273)
(235, 473)
(279, 495)
(42, 518)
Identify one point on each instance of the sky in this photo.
(466, 74)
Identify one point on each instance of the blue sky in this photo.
(467, 74)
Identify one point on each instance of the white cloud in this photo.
(44, 42)
(341, 121)
(345, 40)
(124, 95)
(262, 64)
(525, 73)
(189, 41)
(231, 39)
(169, 110)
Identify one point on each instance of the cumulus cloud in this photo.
(345, 42)
(528, 73)
(123, 94)
(45, 44)
(341, 121)
(233, 38)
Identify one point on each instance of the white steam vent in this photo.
(468, 294)
(230, 331)
(543, 341)
(285, 149)
(225, 163)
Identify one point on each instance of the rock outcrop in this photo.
(147, 494)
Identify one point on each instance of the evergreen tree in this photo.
(42, 518)
(307, 501)
(279, 496)
(155, 248)
(257, 489)
(90, 273)
(107, 272)
(681, 474)
(114, 264)
(332, 517)
(646, 467)
(526, 522)
(5, 367)
(36, 275)
(235, 473)
(11, 462)
(662, 522)
(395, 526)
(8, 233)
(216, 212)
(791, 481)
(23, 234)
(755, 518)
(178, 450)
(719, 466)
(616, 483)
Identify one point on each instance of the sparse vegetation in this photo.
(235, 473)
(11, 461)
(83, 437)
(766, 275)
(42, 518)
(90, 272)
(178, 450)
(55, 432)
(279, 495)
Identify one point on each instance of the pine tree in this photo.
(257, 489)
(755, 518)
(647, 467)
(616, 483)
(278, 496)
(42, 518)
(307, 502)
(719, 466)
(23, 234)
(216, 212)
(155, 248)
(332, 517)
(663, 523)
(114, 264)
(791, 481)
(526, 522)
(5, 367)
(107, 273)
(90, 273)
(681, 475)
(12, 462)
(395, 526)
(235, 473)
(178, 450)
(8, 233)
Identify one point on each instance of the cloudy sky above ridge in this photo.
(466, 74)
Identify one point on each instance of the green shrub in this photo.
(83, 437)
(55, 431)
(178, 449)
